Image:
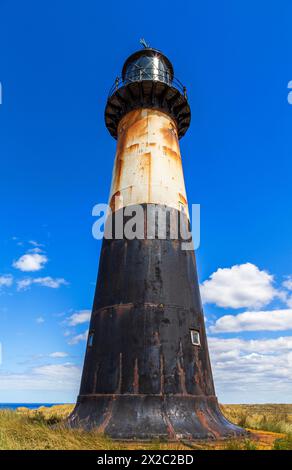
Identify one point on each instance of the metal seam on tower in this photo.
(147, 372)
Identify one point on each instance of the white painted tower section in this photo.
(148, 166)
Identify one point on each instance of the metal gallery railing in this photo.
(152, 74)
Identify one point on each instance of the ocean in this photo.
(13, 406)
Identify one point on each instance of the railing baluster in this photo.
(141, 75)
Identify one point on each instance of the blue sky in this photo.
(57, 63)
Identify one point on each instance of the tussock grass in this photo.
(239, 444)
(267, 417)
(32, 429)
(22, 431)
(284, 443)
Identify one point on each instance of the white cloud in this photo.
(35, 250)
(59, 371)
(288, 283)
(6, 280)
(287, 296)
(222, 346)
(83, 316)
(40, 320)
(53, 283)
(34, 243)
(30, 262)
(241, 285)
(76, 339)
(51, 377)
(58, 354)
(270, 320)
(242, 366)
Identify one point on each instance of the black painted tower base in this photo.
(143, 378)
(147, 417)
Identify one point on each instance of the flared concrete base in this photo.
(146, 417)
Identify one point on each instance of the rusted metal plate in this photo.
(144, 417)
(147, 94)
(148, 166)
(142, 376)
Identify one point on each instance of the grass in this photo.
(284, 443)
(268, 417)
(238, 444)
(22, 431)
(271, 427)
(31, 430)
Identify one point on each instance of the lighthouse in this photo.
(147, 372)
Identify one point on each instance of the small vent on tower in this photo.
(195, 337)
(90, 339)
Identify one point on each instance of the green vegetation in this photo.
(238, 444)
(267, 417)
(32, 430)
(22, 431)
(270, 426)
(284, 443)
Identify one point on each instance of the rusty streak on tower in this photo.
(147, 371)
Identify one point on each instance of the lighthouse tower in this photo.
(147, 372)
